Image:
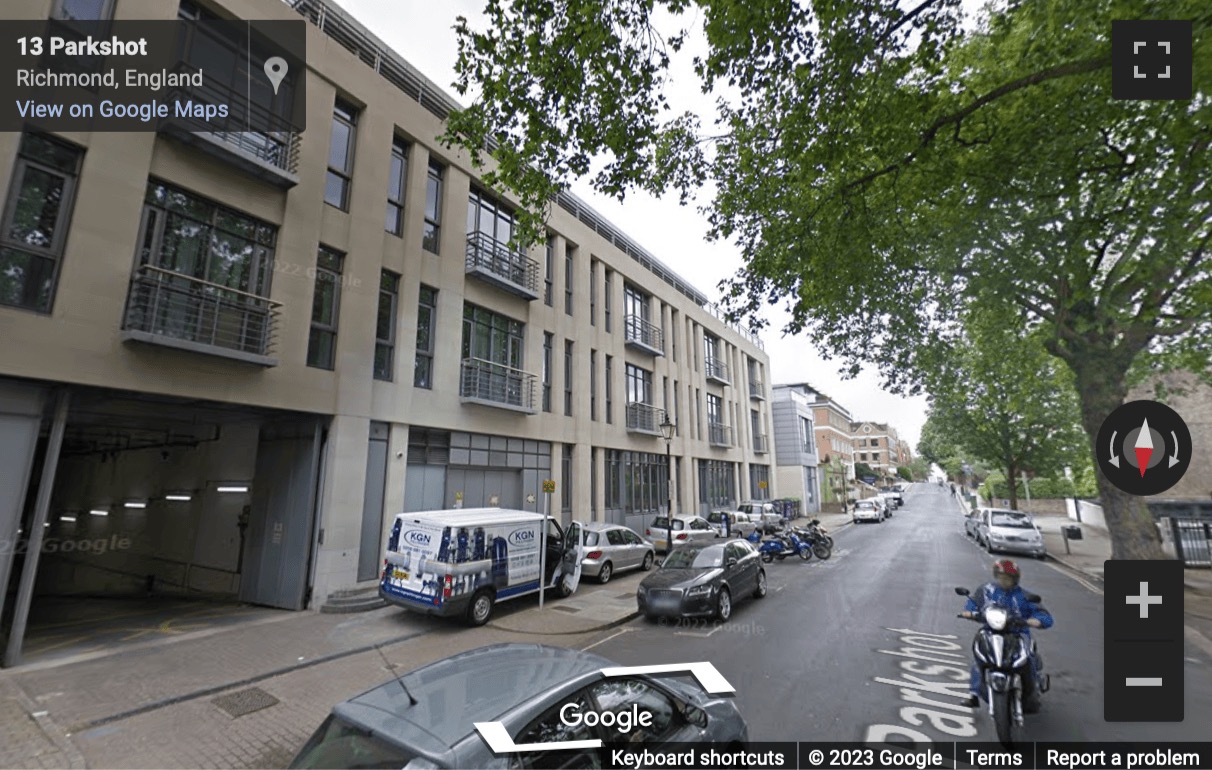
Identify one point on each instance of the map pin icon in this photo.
(275, 70)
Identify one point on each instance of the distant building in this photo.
(795, 445)
(877, 445)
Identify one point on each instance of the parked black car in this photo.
(699, 580)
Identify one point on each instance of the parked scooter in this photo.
(1003, 654)
(779, 547)
(817, 532)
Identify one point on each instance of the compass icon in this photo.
(1144, 447)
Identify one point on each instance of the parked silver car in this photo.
(427, 718)
(687, 528)
(611, 548)
(1000, 529)
(972, 521)
(762, 514)
(739, 524)
(866, 510)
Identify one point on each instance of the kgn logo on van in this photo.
(418, 537)
(522, 537)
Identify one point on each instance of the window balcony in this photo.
(644, 418)
(179, 311)
(644, 335)
(507, 269)
(757, 389)
(719, 434)
(717, 371)
(759, 443)
(271, 156)
(492, 384)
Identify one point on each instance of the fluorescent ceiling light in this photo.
(233, 488)
(179, 498)
(134, 504)
(99, 512)
(67, 518)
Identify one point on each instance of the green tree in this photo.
(885, 155)
(904, 472)
(862, 470)
(1006, 401)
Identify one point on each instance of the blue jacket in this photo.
(1014, 600)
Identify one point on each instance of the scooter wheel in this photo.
(805, 553)
(781, 556)
(767, 558)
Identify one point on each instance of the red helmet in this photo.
(1008, 568)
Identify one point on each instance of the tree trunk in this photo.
(1011, 491)
(1101, 389)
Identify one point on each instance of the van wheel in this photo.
(480, 609)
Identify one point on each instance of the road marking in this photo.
(607, 639)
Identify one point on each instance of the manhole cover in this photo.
(237, 704)
(567, 609)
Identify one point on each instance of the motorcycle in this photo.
(780, 547)
(1003, 655)
(817, 532)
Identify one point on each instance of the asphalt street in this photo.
(865, 646)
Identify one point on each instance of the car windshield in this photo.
(591, 538)
(339, 744)
(695, 558)
(1013, 520)
(662, 522)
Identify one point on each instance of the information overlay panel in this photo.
(203, 75)
(937, 756)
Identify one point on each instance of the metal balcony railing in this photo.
(644, 418)
(493, 384)
(271, 153)
(716, 370)
(505, 268)
(719, 434)
(644, 334)
(757, 389)
(759, 443)
(170, 308)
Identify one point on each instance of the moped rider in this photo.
(1004, 591)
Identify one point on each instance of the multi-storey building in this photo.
(877, 445)
(795, 445)
(255, 348)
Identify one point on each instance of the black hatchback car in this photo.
(702, 580)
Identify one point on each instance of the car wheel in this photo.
(761, 585)
(480, 609)
(648, 560)
(605, 572)
(723, 605)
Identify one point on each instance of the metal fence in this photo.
(1192, 541)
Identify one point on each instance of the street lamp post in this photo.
(667, 429)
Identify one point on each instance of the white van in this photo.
(464, 561)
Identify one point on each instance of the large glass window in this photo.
(427, 312)
(36, 219)
(491, 337)
(639, 385)
(570, 253)
(385, 325)
(325, 309)
(717, 483)
(431, 235)
(548, 353)
(568, 378)
(635, 302)
(397, 182)
(636, 482)
(715, 409)
(566, 477)
(489, 217)
(607, 299)
(593, 385)
(759, 482)
(609, 389)
(340, 155)
(549, 271)
(593, 293)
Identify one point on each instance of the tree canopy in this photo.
(883, 168)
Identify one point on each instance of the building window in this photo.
(568, 378)
(759, 482)
(325, 307)
(491, 337)
(36, 220)
(566, 480)
(427, 311)
(385, 325)
(635, 303)
(397, 182)
(570, 253)
(431, 235)
(83, 10)
(715, 409)
(609, 389)
(593, 385)
(593, 293)
(639, 385)
(717, 483)
(548, 353)
(636, 482)
(340, 155)
(549, 274)
(806, 435)
(677, 412)
(489, 217)
(608, 282)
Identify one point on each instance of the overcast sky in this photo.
(421, 31)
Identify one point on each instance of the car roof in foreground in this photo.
(602, 526)
(454, 693)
